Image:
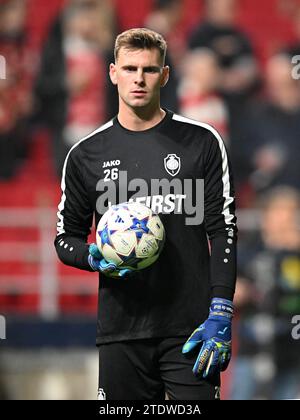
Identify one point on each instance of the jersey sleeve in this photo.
(219, 217)
(75, 215)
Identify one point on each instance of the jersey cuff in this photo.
(223, 292)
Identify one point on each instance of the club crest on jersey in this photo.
(172, 164)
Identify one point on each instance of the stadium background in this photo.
(50, 309)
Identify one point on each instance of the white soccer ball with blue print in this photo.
(130, 235)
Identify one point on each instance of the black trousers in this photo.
(150, 369)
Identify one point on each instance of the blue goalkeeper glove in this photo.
(98, 263)
(215, 336)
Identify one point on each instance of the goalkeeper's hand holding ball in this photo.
(98, 263)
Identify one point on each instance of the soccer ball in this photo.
(130, 235)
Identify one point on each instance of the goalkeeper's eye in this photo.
(152, 69)
(130, 69)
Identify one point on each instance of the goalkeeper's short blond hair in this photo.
(141, 38)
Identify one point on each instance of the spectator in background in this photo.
(239, 70)
(198, 96)
(15, 89)
(272, 130)
(84, 76)
(268, 296)
(234, 51)
(71, 86)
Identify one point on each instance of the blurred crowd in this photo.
(216, 78)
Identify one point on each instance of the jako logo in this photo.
(296, 329)
(2, 328)
(2, 67)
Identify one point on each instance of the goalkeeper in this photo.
(165, 329)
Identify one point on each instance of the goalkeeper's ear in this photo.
(165, 76)
(113, 73)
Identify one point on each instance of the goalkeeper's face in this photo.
(139, 74)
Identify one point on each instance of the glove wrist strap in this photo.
(221, 307)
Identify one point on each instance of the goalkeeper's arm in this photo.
(75, 218)
(213, 336)
(73, 251)
(75, 215)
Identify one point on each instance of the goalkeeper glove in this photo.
(98, 263)
(215, 336)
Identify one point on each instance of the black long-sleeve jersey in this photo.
(180, 169)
